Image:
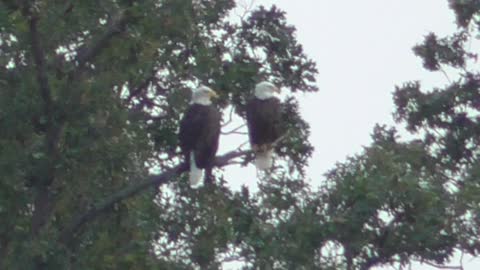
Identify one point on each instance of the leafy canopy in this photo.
(91, 93)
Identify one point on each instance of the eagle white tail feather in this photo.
(264, 160)
(195, 172)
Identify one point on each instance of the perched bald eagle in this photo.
(263, 120)
(199, 133)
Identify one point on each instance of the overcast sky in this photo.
(362, 49)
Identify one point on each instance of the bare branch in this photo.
(461, 258)
(460, 267)
(445, 74)
(247, 8)
(235, 130)
(130, 191)
(230, 117)
(242, 145)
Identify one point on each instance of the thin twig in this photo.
(141, 87)
(461, 259)
(230, 117)
(460, 267)
(247, 8)
(241, 145)
(445, 74)
(235, 130)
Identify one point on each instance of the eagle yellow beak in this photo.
(276, 89)
(212, 94)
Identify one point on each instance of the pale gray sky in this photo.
(362, 49)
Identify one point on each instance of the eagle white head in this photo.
(202, 95)
(265, 90)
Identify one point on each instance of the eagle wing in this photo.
(207, 146)
(199, 132)
(189, 126)
(264, 120)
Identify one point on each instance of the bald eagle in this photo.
(263, 120)
(199, 133)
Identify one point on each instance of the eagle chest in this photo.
(263, 117)
(200, 128)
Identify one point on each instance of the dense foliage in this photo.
(91, 93)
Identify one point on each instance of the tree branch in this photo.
(230, 117)
(39, 59)
(142, 86)
(87, 52)
(442, 266)
(4, 243)
(12, 5)
(43, 200)
(130, 191)
(235, 130)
